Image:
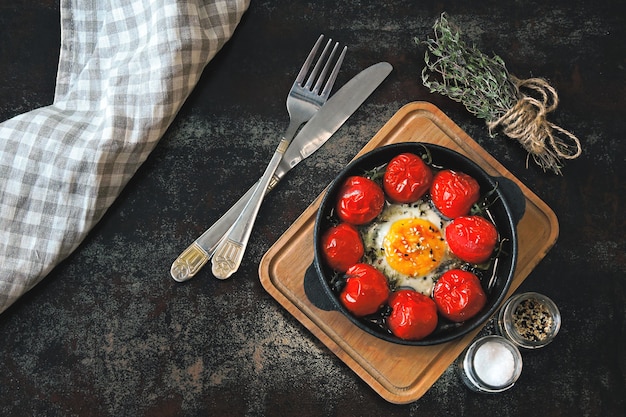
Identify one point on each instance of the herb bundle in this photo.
(484, 86)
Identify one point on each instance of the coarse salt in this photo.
(494, 364)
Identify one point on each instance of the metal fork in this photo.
(303, 101)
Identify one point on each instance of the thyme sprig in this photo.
(465, 74)
(487, 89)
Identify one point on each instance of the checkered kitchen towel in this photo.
(125, 68)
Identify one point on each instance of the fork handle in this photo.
(192, 259)
(229, 252)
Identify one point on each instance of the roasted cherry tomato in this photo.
(342, 246)
(472, 238)
(454, 193)
(406, 178)
(366, 290)
(413, 315)
(459, 295)
(360, 200)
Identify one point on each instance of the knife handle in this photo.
(189, 262)
(192, 259)
(230, 251)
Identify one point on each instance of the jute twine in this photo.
(527, 123)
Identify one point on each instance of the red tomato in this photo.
(406, 178)
(366, 290)
(413, 315)
(342, 247)
(472, 238)
(459, 295)
(360, 200)
(454, 193)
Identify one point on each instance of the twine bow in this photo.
(527, 123)
(486, 88)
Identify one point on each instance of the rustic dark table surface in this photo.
(108, 332)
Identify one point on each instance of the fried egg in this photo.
(406, 242)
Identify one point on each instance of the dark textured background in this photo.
(109, 333)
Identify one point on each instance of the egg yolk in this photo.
(414, 246)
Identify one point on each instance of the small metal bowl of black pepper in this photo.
(530, 320)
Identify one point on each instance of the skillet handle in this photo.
(315, 292)
(515, 198)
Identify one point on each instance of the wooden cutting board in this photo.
(400, 374)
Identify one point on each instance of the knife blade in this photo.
(308, 140)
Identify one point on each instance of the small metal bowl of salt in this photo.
(491, 364)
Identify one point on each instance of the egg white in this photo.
(374, 234)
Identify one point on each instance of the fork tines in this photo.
(322, 76)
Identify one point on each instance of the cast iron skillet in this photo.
(507, 208)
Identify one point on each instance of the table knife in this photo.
(310, 138)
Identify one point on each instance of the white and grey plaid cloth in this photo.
(125, 68)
